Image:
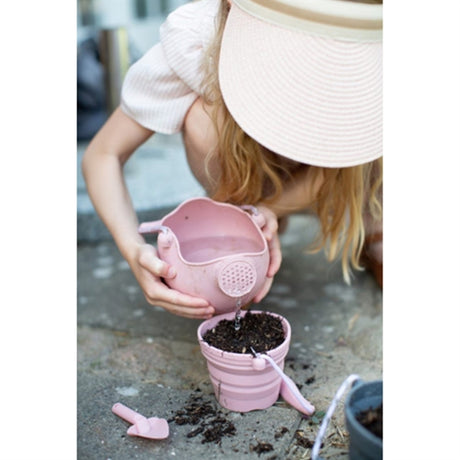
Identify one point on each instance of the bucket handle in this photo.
(294, 397)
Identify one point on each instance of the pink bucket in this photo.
(217, 249)
(242, 382)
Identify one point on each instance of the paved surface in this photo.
(131, 352)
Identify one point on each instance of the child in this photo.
(279, 104)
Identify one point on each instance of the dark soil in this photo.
(261, 447)
(372, 419)
(280, 432)
(261, 331)
(212, 425)
(303, 440)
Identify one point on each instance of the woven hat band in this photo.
(346, 20)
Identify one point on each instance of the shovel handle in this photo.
(126, 413)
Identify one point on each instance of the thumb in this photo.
(156, 266)
(260, 220)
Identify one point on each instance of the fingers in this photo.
(191, 308)
(149, 270)
(267, 222)
(175, 302)
(274, 248)
(161, 292)
(188, 312)
(150, 262)
(260, 220)
(264, 291)
(270, 229)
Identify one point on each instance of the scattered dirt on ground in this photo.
(261, 331)
(280, 432)
(372, 419)
(303, 440)
(212, 424)
(261, 447)
(301, 370)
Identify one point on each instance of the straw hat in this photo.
(304, 77)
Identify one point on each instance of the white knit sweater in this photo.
(160, 87)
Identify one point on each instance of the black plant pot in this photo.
(364, 445)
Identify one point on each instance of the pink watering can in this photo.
(217, 249)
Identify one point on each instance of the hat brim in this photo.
(313, 99)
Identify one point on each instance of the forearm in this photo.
(103, 172)
(109, 195)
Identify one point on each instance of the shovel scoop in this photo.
(151, 428)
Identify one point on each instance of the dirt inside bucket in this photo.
(372, 419)
(261, 331)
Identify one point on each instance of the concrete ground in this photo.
(131, 352)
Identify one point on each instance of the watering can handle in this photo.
(165, 238)
(249, 207)
(257, 217)
(152, 227)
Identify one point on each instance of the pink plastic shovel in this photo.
(152, 428)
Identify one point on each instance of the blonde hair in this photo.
(249, 173)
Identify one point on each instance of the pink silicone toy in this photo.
(217, 249)
(152, 428)
(243, 382)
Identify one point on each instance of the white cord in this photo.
(309, 409)
(322, 431)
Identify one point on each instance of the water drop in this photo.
(238, 315)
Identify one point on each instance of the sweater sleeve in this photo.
(159, 88)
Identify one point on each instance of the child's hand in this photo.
(269, 225)
(149, 269)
